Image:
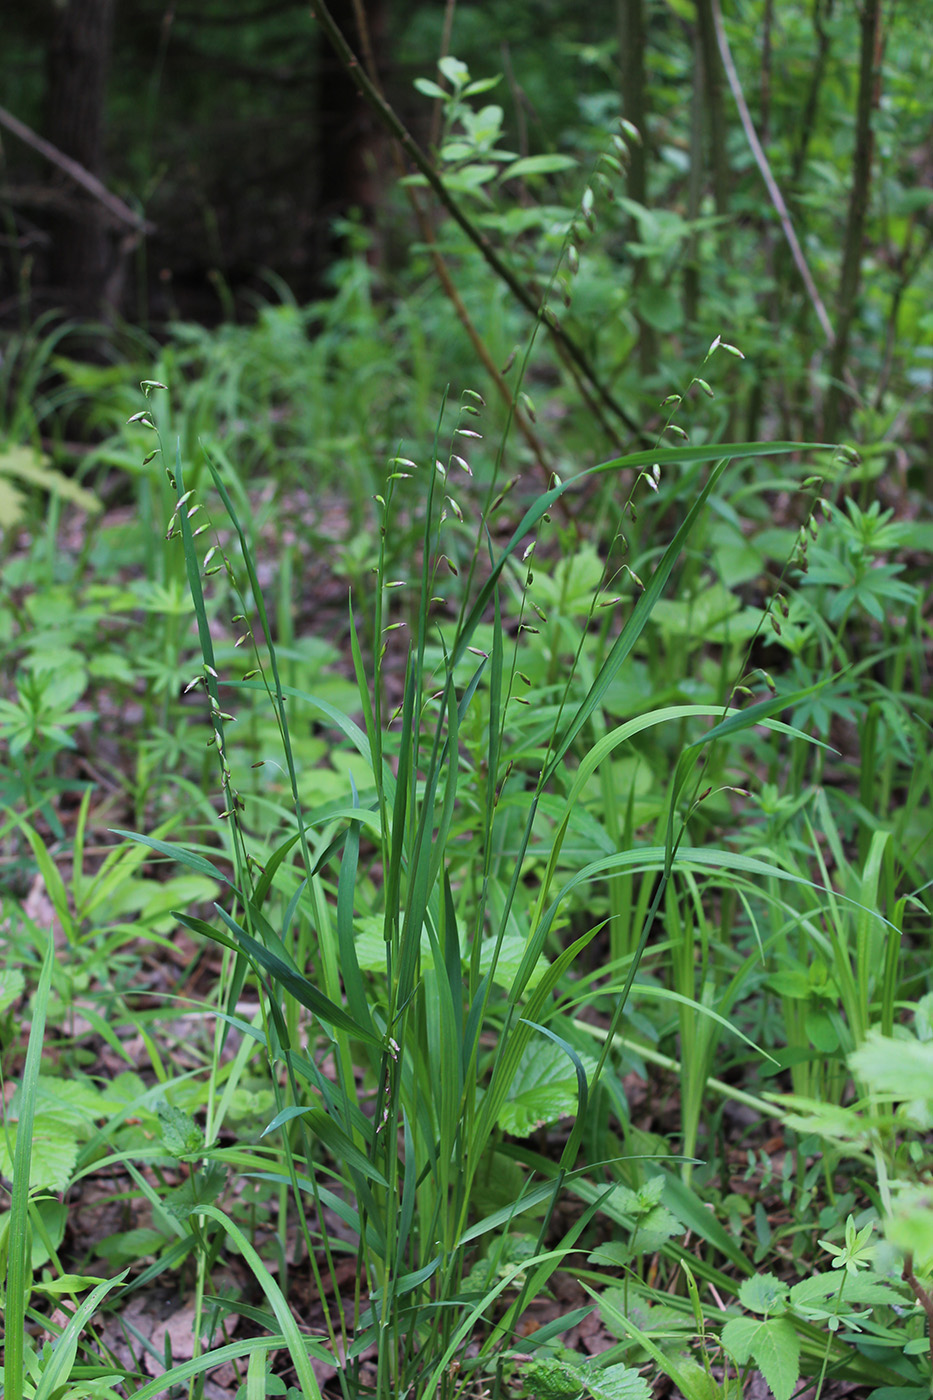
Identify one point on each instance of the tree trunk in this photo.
(715, 111)
(868, 97)
(78, 60)
(353, 153)
(630, 16)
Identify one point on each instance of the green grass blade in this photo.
(19, 1265)
(298, 986)
(351, 976)
(635, 625)
(297, 1345)
(58, 1369)
(176, 853)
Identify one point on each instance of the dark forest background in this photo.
(235, 133)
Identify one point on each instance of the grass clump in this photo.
(521, 951)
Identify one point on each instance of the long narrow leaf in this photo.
(20, 1255)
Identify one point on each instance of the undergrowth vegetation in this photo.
(466, 890)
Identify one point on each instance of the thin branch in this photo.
(120, 211)
(418, 158)
(440, 265)
(761, 160)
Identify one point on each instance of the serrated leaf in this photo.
(774, 1346)
(53, 1156)
(694, 1382)
(648, 1194)
(861, 1289)
(72, 1101)
(12, 986)
(26, 464)
(616, 1383)
(200, 1190)
(181, 1135)
(612, 1255)
(12, 505)
(899, 1069)
(651, 1225)
(763, 1293)
(654, 1228)
(544, 1089)
(550, 1379)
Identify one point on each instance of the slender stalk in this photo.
(632, 43)
(811, 106)
(869, 92)
(761, 160)
(409, 145)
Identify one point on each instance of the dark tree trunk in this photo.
(633, 39)
(715, 112)
(868, 99)
(353, 154)
(78, 60)
(632, 42)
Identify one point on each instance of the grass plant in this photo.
(425, 1010)
(556, 924)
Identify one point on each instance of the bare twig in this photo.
(439, 262)
(120, 211)
(409, 145)
(761, 160)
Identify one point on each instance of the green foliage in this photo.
(616, 782)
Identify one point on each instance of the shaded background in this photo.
(233, 130)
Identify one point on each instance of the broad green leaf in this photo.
(544, 1089)
(715, 615)
(68, 1283)
(53, 1154)
(456, 73)
(763, 1293)
(659, 306)
(181, 1135)
(73, 1101)
(429, 89)
(30, 466)
(12, 986)
(910, 1227)
(772, 1343)
(199, 1190)
(861, 1290)
(52, 1217)
(550, 1379)
(900, 1069)
(616, 1383)
(12, 505)
(511, 953)
(538, 165)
